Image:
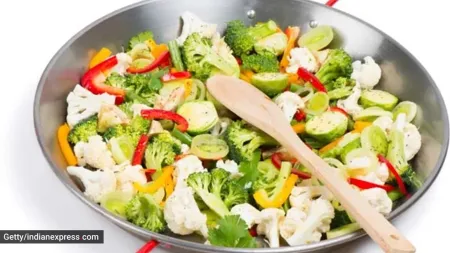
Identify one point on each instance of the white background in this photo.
(31, 197)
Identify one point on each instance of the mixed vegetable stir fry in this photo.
(151, 145)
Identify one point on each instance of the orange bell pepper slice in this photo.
(277, 201)
(299, 128)
(63, 132)
(169, 186)
(292, 33)
(153, 186)
(102, 55)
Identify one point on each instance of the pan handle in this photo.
(331, 2)
(150, 245)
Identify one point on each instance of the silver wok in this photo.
(403, 76)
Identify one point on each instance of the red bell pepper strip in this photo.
(175, 75)
(308, 77)
(239, 61)
(300, 115)
(277, 158)
(149, 246)
(160, 61)
(338, 109)
(394, 172)
(149, 171)
(140, 150)
(252, 231)
(369, 185)
(93, 80)
(181, 122)
(331, 3)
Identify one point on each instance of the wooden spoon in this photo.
(256, 108)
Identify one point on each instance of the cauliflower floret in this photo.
(96, 183)
(137, 108)
(123, 62)
(128, 175)
(302, 57)
(382, 172)
(316, 189)
(182, 214)
(269, 226)
(82, 104)
(184, 167)
(300, 198)
(350, 104)
(230, 166)
(191, 24)
(384, 122)
(248, 213)
(288, 224)
(320, 214)
(321, 56)
(367, 74)
(109, 116)
(95, 153)
(185, 149)
(378, 199)
(289, 103)
(413, 141)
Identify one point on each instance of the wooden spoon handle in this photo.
(376, 226)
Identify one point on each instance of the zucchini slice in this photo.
(379, 98)
(374, 139)
(270, 83)
(116, 202)
(200, 115)
(349, 142)
(407, 107)
(317, 38)
(318, 103)
(210, 147)
(371, 113)
(121, 148)
(327, 126)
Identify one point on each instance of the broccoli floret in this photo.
(338, 64)
(268, 174)
(126, 108)
(203, 61)
(241, 39)
(140, 38)
(143, 211)
(243, 141)
(217, 190)
(116, 80)
(161, 151)
(341, 218)
(340, 83)
(411, 180)
(234, 194)
(274, 186)
(260, 63)
(137, 127)
(83, 130)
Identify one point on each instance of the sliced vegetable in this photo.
(338, 109)
(209, 147)
(158, 196)
(270, 83)
(201, 116)
(349, 142)
(264, 201)
(407, 107)
(327, 127)
(318, 103)
(374, 139)
(309, 77)
(395, 195)
(121, 148)
(299, 128)
(175, 55)
(159, 61)
(63, 133)
(361, 160)
(116, 202)
(274, 44)
(176, 76)
(153, 186)
(201, 89)
(141, 51)
(394, 172)
(340, 93)
(99, 57)
(378, 98)
(183, 137)
(169, 187)
(140, 150)
(317, 38)
(371, 113)
(182, 123)
(359, 126)
(369, 185)
(292, 33)
(340, 231)
(300, 115)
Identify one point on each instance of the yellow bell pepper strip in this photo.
(248, 73)
(244, 77)
(187, 88)
(264, 201)
(292, 78)
(63, 132)
(153, 186)
(169, 186)
(360, 125)
(102, 55)
(292, 33)
(156, 49)
(299, 128)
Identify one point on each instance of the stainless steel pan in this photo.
(403, 76)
